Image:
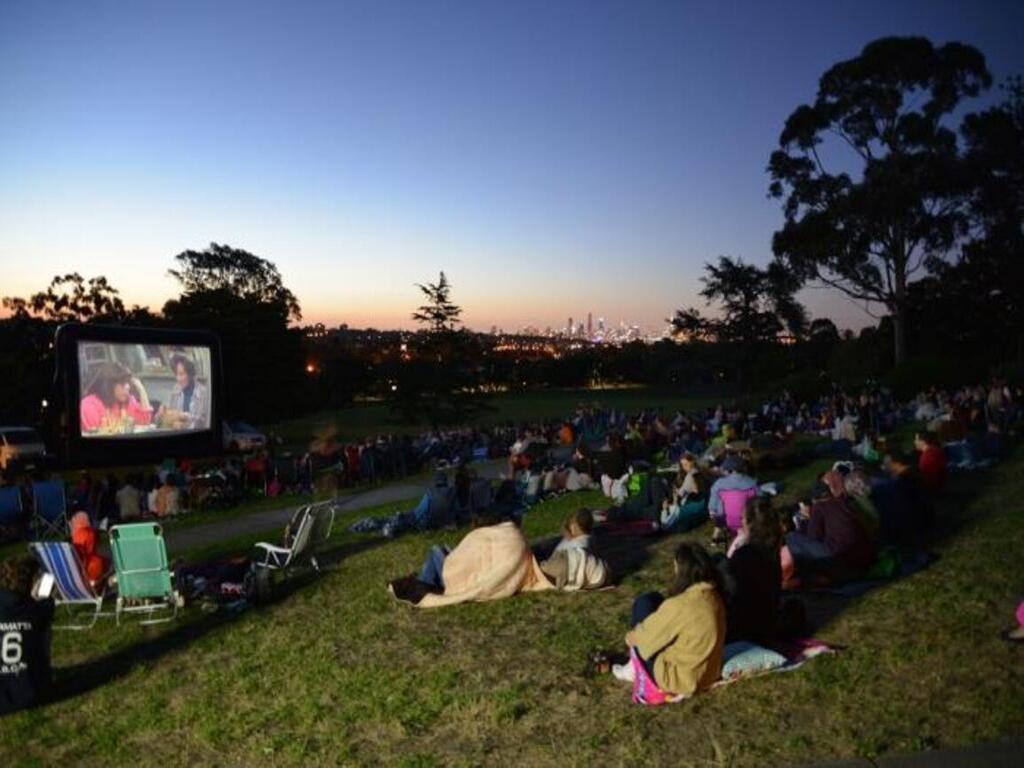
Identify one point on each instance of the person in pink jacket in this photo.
(110, 404)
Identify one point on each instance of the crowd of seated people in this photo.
(865, 503)
(861, 507)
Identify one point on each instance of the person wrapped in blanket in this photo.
(573, 566)
(679, 638)
(492, 561)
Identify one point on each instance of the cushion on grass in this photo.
(743, 658)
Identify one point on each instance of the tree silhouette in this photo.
(441, 383)
(241, 297)
(439, 313)
(869, 236)
(758, 309)
(71, 298)
(992, 268)
(221, 268)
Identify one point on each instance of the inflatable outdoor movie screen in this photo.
(136, 393)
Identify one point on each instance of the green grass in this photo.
(337, 672)
(362, 420)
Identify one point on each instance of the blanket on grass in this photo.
(889, 567)
(626, 528)
(794, 654)
(490, 563)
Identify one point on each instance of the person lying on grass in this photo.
(493, 561)
(436, 509)
(573, 566)
(679, 638)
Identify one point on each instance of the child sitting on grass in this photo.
(573, 566)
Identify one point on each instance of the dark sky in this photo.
(554, 158)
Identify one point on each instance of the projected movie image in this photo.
(142, 390)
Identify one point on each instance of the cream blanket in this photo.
(490, 563)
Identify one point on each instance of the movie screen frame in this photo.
(171, 432)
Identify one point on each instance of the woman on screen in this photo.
(115, 401)
(190, 400)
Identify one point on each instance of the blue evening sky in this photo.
(553, 158)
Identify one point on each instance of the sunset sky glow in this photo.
(552, 158)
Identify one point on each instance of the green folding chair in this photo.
(144, 583)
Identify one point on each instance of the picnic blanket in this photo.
(888, 567)
(490, 563)
(642, 527)
(790, 655)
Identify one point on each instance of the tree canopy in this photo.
(870, 232)
(227, 270)
(440, 383)
(71, 298)
(439, 314)
(758, 308)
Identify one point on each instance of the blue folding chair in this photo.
(10, 506)
(49, 509)
(73, 587)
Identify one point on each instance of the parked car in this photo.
(21, 446)
(242, 437)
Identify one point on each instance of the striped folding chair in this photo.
(59, 559)
(49, 509)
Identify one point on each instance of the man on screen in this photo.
(190, 400)
(115, 401)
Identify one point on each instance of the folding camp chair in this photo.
(322, 524)
(49, 509)
(59, 559)
(309, 528)
(144, 583)
(10, 507)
